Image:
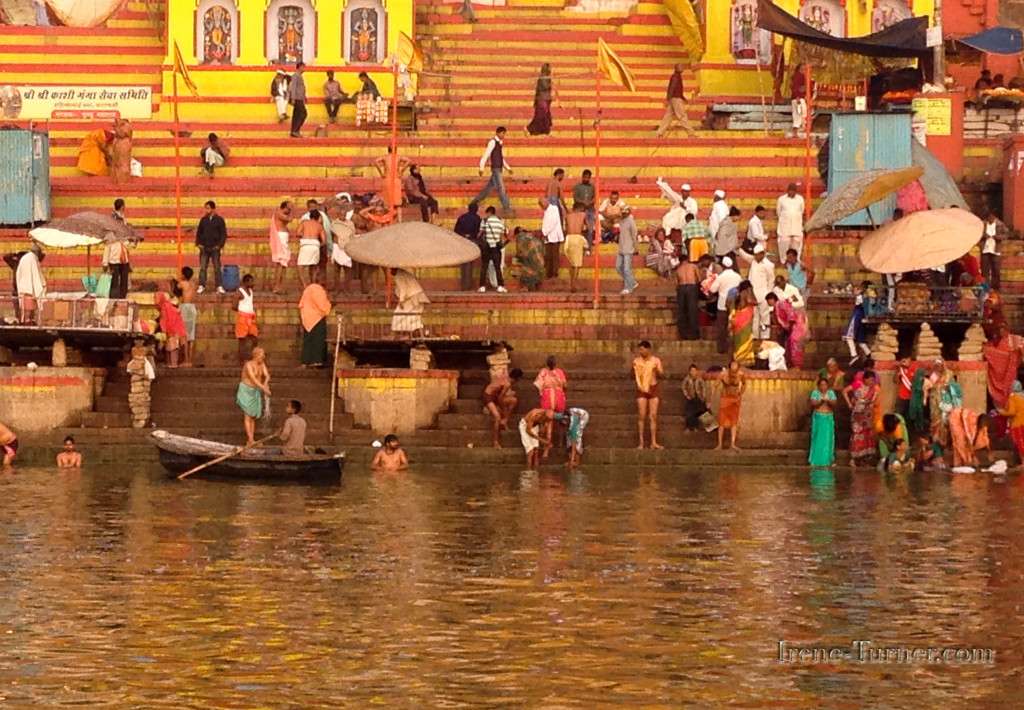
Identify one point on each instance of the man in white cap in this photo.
(722, 285)
(675, 218)
(279, 94)
(689, 204)
(719, 212)
(790, 210)
(762, 279)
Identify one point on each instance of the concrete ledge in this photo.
(396, 401)
(40, 399)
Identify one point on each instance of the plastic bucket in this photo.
(230, 278)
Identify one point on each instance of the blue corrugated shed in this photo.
(24, 176)
(859, 142)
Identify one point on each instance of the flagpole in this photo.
(808, 122)
(597, 193)
(394, 189)
(177, 170)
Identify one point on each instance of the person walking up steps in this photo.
(494, 156)
(675, 106)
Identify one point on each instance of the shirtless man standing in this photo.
(69, 458)
(8, 444)
(187, 307)
(530, 428)
(312, 239)
(499, 403)
(646, 370)
(254, 385)
(390, 457)
(280, 252)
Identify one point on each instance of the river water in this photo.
(501, 589)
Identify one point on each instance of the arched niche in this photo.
(216, 32)
(887, 13)
(749, 43)
(828, 16)
(291, 32)
(365, 32)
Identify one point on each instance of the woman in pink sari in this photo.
(969, 432)
(794, 324)
(551, 382)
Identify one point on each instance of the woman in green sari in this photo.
(530, 255)
(741, 323)
(823, 425)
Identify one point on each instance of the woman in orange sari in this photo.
(92, 153)
(551, 382)
(969, 431)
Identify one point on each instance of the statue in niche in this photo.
(825, 16)
(289, 35)
(749, 42)
(364, 35)
(887, 14)
(217, 36)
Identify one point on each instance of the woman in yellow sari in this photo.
(92, 153)
(741, 323)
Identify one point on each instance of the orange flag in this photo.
(609, 64)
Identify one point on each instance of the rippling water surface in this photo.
(462, 588)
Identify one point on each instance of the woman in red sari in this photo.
(551, 382)
(1014, 412)
(861, 401)
(173, 326)
(969, 432)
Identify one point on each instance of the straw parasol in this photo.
(921, 240)
(860, 193)
(84, 229)
(412, 245)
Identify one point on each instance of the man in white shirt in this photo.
(762, 278)
(790, 210)
(993, 233)
(551, 228)
(689, 203)
(788, 292)
(30, 282)
(722, 285)
(719, 212)
(611, 213)
(755, 235)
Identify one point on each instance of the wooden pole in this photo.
(808, 122)
(597, 193)
(177, 173)
(334, 376)
(394, 188)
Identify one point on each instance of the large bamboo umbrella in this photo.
(412, 245)
(84, 229)
(860, 193)
(921, 240)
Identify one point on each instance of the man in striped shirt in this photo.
(493, 234)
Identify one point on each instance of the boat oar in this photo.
(225, 457)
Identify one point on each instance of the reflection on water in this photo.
(607, 588)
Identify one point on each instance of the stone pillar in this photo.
(139, 401)
(927, 346)
(885, 345)
(420, 358)
(971, 348)
(59, 355)
(498, 362)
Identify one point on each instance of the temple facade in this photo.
(233, 47)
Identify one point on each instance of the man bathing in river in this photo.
(187, 308)
(254, 386)
(500, 401)
(8, 444)
(646, 370)
(390, 457)
(69, 458)
(530, 428)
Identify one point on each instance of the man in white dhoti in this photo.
(762, 279)
(342, 229)
(551, 228)
(412, 300)
(279, 94)
(30, 282)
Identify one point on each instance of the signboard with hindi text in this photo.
(55, 103)
(937, 114)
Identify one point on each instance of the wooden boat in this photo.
(181, 453)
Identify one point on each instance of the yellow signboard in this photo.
(937, 114)
(54, 103)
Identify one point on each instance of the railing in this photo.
(916, 302)
(434, 329)
(87, 312)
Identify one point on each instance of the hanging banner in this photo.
(55, 103)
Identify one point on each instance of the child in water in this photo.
(900, 459)
(929, 455)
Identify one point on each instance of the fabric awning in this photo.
(998, 40)
(904, 39)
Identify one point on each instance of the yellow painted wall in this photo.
(245, 81)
